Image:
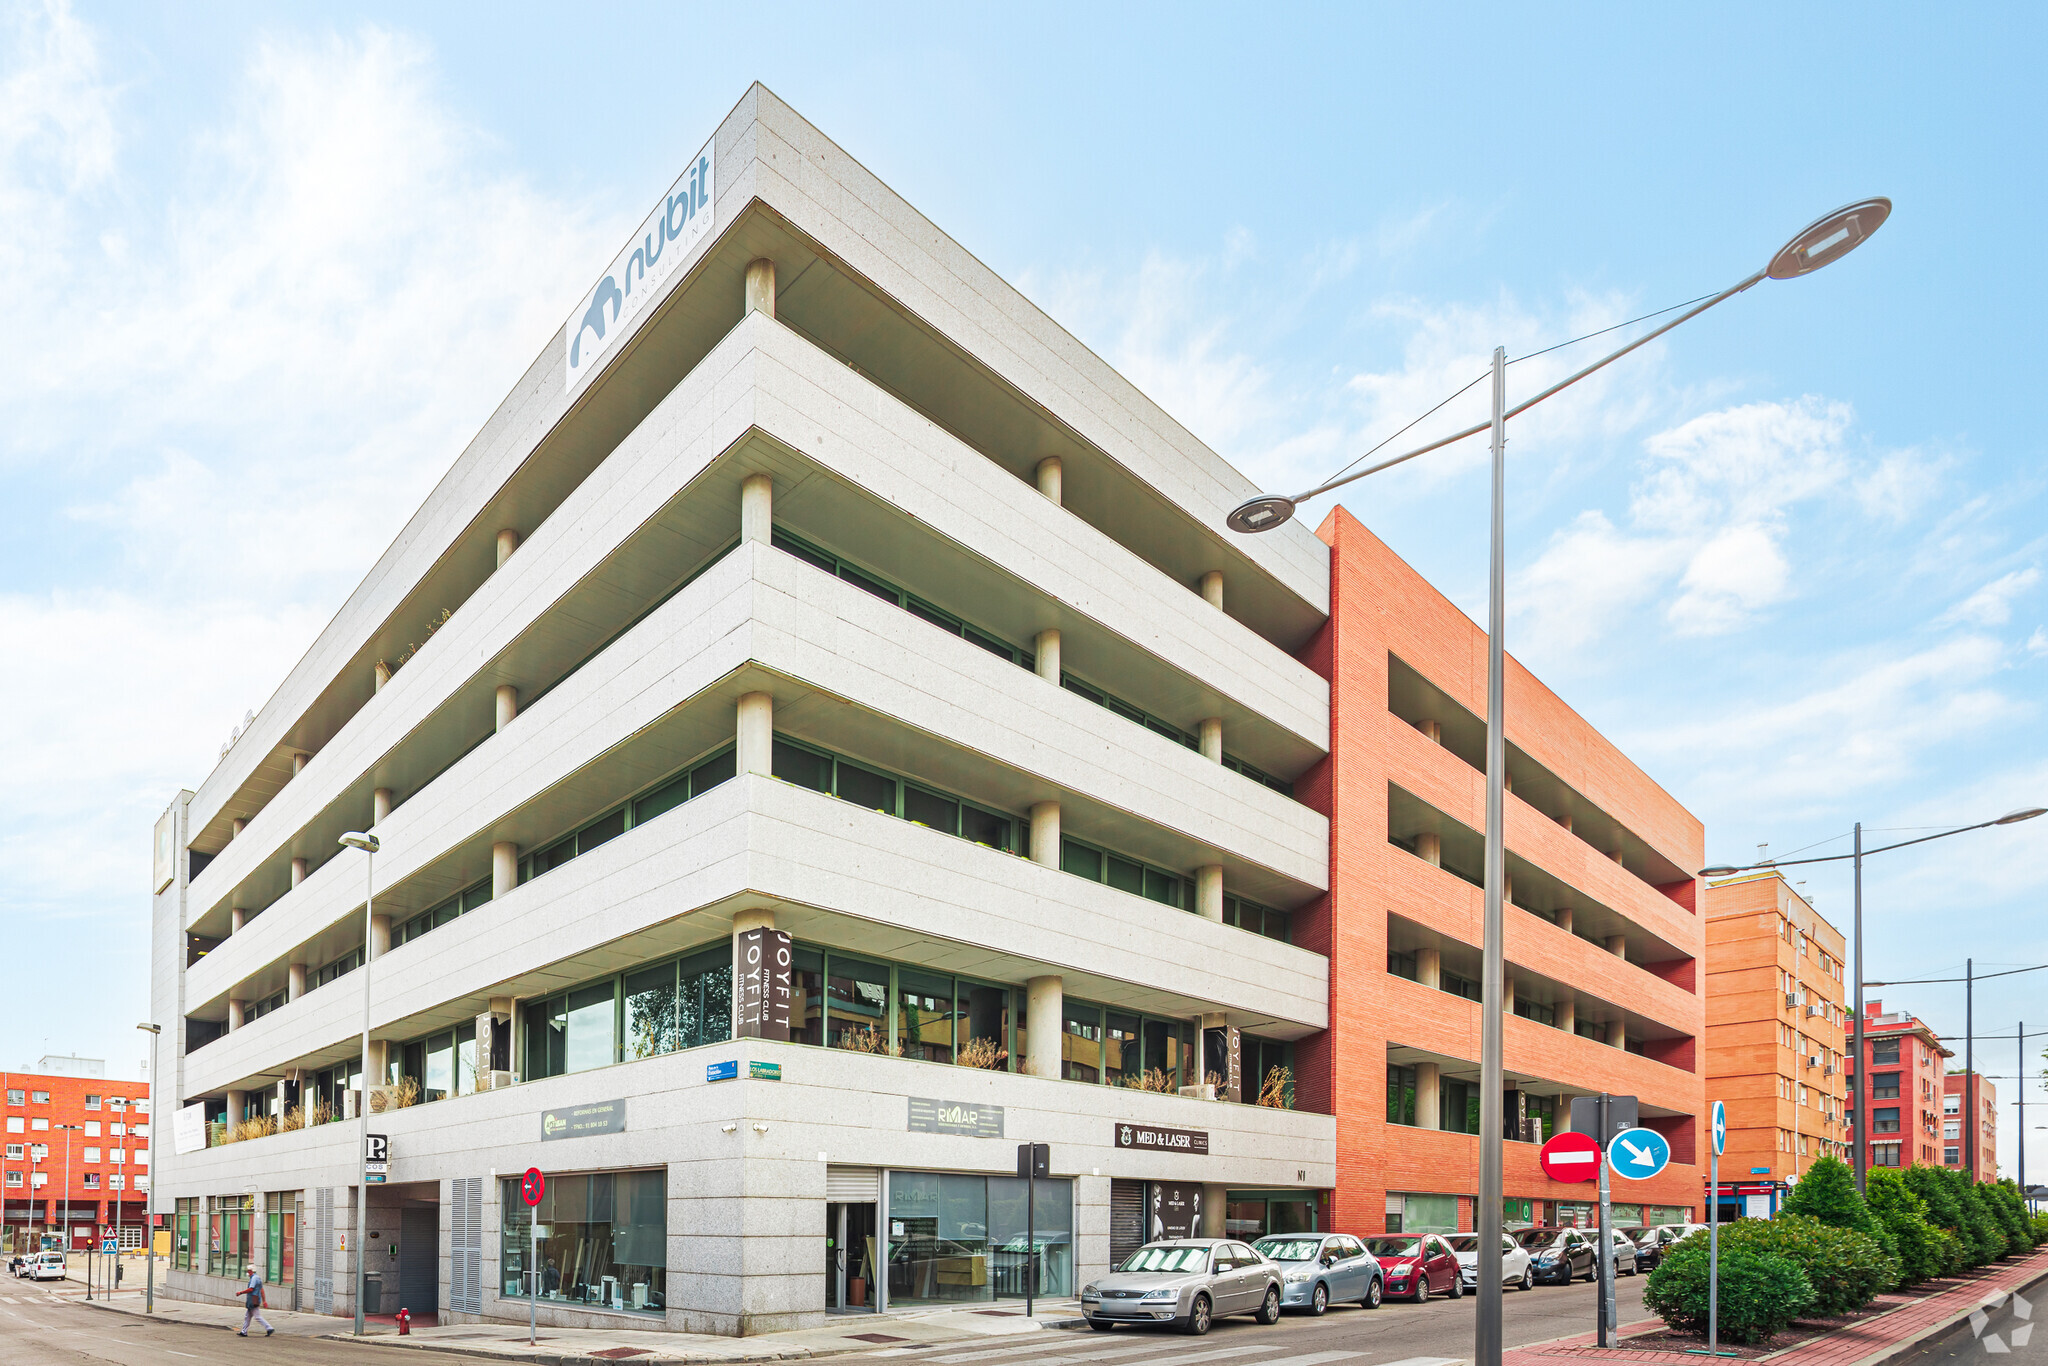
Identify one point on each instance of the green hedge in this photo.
(1919, 1245)
(1761, 1292)
(1846, 1269)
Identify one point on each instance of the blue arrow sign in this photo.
(1720, 1128)
(1638, 1154)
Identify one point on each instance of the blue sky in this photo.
(264, 258)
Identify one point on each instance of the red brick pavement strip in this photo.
(1858, 1344)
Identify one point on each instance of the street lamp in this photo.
(1856, 1129)
(356, 839)
(64, 1239)
(1820, 243)
(155, 1031)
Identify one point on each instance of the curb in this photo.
(561, 1358)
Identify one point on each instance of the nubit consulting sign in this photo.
(677, 224)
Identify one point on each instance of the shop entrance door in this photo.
(850, 1257)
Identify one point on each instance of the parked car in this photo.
(48, 1266)
(1190, 1281)
(1515, 1270)
(1317, 1268)
(1653, 1242)
(1559, 1256)
(1627, 1262)
(1417, 1264)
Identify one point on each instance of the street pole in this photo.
(64, 1229)
(1970, 1067)
(1031, 1233)
(363, 1106)
(1486, 1332)
(1714, 1252)
(1857, 1115)
(532, 1272)
(149, 1196)
(1604, 1304)
(2022, 1075)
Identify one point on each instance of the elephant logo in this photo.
(593, 317)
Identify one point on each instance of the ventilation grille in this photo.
(466, 1246)
(323, 1250)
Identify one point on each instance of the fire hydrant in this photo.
(404, 1322)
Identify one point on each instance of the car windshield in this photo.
(1166, 1259)
(1393, 1247)
(1289, 1249)
(1463, 1242)
(1535, 1238)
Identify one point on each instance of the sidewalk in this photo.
(644, 1347)
(1867, 1342)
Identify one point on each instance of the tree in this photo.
(1978, 1225)
(1921, 1252)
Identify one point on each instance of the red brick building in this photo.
(1907, 1066)
(1965, 1093)
(1604, 941)
(97, 1129)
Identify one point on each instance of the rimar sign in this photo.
(678, 223)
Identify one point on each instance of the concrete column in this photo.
(1428, 1078)
(508, 704)
(1564, 918)
(1507, 993)
(294, 981)
(757, 508)
(299, 758)
(1617, 944)
(238, 1107)
(1047, 650)
(236, 827)
(1212, 739)
(508, 541)
(1433, 729)
(1430, 848)
(380, 936)
(1212, 588)
(1566, 822)
(756, 734)
(742, 921)
(298, 871)
(237, 917)
(380, 806)
(1049, 477)
(380, 1061)
(1044, 1001)
(1617, 1034)
(1429, 967)
(1045, 833)
(761, 286)
(504, 868)
(280, 1098)
(1209, 891)
(237, 1014)
(1567, 1010)
(380, 674)
(1616, 856)
(1507, 889)
(1215, 1204)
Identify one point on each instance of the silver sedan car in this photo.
(1191, 1282)
(1317, 1268)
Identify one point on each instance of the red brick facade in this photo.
(1382, 609)
(35, 1148)
(1909, 1065)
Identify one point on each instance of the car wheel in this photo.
(1457, 1290)
(1269, 1312)
(1319, 1302)
(1099, 1326)
(1198, 1317)
(1373, 1293)
(1422, 1289)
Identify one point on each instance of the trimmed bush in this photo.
(1827, 1193)
(1978, 1226)
(1847, 1269)
(2001, 1199)
(1918, 1244)
(1760, 1292)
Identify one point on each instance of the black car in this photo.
(1653, 1241)
(1559, 1256)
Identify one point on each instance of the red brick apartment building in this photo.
(1953, 1109)
(1604, 940)
(108, 1156)
(1907, 1066)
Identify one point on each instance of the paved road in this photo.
(46, 1328)
(2012, 1332)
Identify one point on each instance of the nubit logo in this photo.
(678, 223)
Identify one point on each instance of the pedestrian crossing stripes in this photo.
(1095, 1354)
(1155, 1352)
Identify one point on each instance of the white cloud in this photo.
(1991, 605)
(2037, 643)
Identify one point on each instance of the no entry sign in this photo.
(1571, 1157)
(532, 1186)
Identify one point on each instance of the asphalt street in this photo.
(40, 1328)
(2002, 1330)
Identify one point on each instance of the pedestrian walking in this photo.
(254, 1301)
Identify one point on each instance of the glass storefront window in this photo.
(281, 1219)
(1081, 1042)
(603, 1241)
(807, 997)
(956, 1238)
(924, 1016)
(1011, 1243)
(857, 995)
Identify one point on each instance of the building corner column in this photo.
(1044, 1008)
(1046, 656)
(1045, 833)
(754, 734)
(761, 286)
(1209, 891)
(1212, 588)
(1049, 471)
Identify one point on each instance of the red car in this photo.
(1417, 1264)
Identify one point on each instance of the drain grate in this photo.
(1000, 1313)
(620, 1353)
(875, 1337)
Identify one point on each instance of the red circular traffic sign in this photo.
(1571, 1157)
(533, 1186)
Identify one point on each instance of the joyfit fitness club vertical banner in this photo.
(765, 964)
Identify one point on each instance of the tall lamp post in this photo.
(356, 839)
(1857, 1111)
(64, 1240)
(1821, 243)
(155, 1031)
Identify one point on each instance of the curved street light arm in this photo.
(1724, 870)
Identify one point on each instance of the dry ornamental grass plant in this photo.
(982, 1053)
(1157, 1079)
(1273, 1091)
(869, 1040)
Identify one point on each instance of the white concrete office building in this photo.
(812, 595)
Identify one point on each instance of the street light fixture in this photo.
(356, 839)
(1820, 243)
(155, 1032)
(1856, 1131)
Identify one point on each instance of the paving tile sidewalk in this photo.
(1863, 1343)
(643, 1347)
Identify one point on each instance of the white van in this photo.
(47, 1266)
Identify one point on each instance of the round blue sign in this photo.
(1638, 1154)
(1720, 1128)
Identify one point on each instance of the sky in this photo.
(272, 266)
